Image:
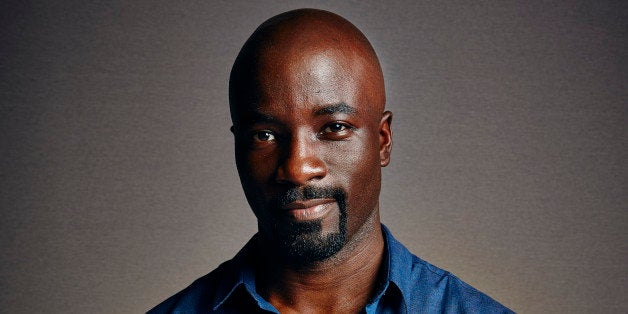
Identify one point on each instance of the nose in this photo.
(301, 163)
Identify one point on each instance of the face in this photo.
(310, 149)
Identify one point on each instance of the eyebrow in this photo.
(337, 108)
(258, 117)
(255, 116)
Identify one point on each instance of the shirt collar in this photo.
(241, 273)
(397, 263)
(399, 266)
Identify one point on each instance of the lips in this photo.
(308, 209)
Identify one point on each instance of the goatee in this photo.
(303, 243)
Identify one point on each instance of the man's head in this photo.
(307, 103)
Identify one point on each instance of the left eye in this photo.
(334, 128)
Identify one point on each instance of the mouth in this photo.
(309, 209)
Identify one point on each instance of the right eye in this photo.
(263, 136)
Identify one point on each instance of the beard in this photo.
(304, 242)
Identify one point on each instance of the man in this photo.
(307, 102)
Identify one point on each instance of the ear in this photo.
(232, 129)
(385, 138)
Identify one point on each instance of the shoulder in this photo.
(441, 291)
(198, 295)
(429, 289)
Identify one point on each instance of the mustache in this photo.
(307, 193)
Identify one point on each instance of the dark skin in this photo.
(307, 100)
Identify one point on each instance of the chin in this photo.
(310, 248)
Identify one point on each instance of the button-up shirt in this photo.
(408, 285)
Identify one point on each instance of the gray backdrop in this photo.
(118, 186)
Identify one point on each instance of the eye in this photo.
(336, 131)
(263, 136)
(334, 128)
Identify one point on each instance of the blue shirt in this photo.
(411, 285)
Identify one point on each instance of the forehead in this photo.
(320, 77)
(291, 78)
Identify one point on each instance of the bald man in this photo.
(311, 134)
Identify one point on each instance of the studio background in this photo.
(118, 185)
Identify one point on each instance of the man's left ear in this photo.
(385, 138)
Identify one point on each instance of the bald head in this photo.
(318, 50)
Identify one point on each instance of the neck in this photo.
(341, 283)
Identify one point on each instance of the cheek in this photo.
(254, 167)
(355, 163)
(358, 171)
(261, 165)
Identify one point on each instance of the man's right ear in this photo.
(232, 129)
